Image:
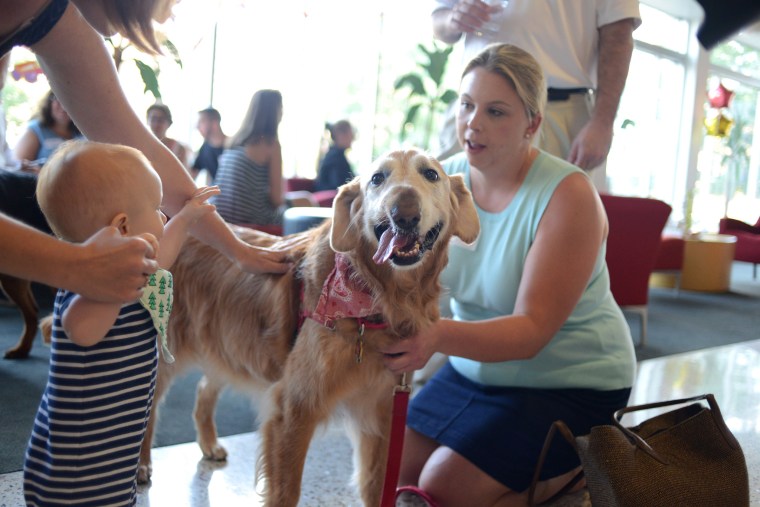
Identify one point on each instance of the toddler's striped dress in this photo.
(86, 438)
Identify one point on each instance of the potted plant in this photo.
(428, 95)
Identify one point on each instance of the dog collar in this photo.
(346, 296)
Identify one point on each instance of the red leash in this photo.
(395, 442)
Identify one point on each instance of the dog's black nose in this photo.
(406, 211)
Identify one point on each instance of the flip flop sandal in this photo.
(416, 493)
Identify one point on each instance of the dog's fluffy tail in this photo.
(46, 328)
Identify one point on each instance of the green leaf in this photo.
(149, 77)
(425, 50)
(448, 97)
(437, 67)
(426, 91)
(174, 51)
(411, 115)
(414, 81)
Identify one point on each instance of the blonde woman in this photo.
(536, 334)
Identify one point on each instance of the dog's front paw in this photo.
(215, 453)
(143, 474)
(20, 352)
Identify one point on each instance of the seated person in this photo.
(159, 118)
(334, 170)
(50, 127)
(250, 170)
(214, 139)
(18, 199)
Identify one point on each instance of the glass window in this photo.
(644, 152)
(728, 161)
(738, 58)
(642, 160)
(662, 30)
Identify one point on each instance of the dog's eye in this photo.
(431, 174)
(378, 179)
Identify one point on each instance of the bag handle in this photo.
(641, 443)
(561, 427)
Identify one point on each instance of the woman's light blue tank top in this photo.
(593, 349)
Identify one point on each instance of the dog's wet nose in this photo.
(406, 211)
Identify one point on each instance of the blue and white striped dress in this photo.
(245, 190)
(86, 438)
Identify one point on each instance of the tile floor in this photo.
(182, 478)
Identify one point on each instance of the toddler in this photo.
(86, 438)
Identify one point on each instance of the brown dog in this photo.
(18, 201)
(383, 251)
(19, 291)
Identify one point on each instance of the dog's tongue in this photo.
(389, 242)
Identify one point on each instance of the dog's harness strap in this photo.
(395, 442)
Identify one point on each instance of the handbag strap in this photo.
(561, 427)
(641, 443)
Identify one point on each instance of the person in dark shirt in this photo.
(214, 139)
(334, 170)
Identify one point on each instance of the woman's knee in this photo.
(453, 480)
(442, 474)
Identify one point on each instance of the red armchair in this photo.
(323, 197)
(636, 226)
(747, 240)
(670, 257)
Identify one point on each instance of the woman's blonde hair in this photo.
(134, 20)
(520, 69)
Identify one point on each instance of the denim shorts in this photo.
(501, 430)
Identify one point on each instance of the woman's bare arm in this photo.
(107, 267)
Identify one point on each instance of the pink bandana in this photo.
(344, 296)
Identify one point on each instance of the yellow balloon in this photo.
(718, 125)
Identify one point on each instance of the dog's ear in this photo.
(467, 224)
(345, 230)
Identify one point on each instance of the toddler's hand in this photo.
(196, 206)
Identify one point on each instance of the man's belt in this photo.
(559, 94)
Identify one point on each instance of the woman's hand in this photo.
(113, 268)
(30, 166)
(414, 352)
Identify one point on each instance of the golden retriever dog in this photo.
(361, 280)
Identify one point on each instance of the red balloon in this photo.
(720, 96)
